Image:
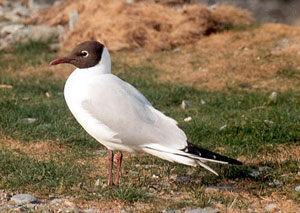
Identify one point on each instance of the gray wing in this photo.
(125, 111)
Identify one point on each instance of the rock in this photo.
(35, 33)
(168, 211)
(188, 119)
(264, 168)
(28, 120)
(42, 32)
(177, 50)
(139, 208)
(185, 104)
(73, 18)
(202, 210)
(23, 199)
(183, 178)
(173, 177)
(284, 43)
(273, 97)
(97, 182)
(268, 122)
(100, 152)
(36, 5)
(11, 17)
(155, 176)
(58, 201)
(5, 86)
(213, 189)
(9, 29)
(54, 47)
(222, 127)
(202, 101)
(254, 174)
(165, 184)
(297, 188)
(47, 94)
(91, 210)
(276, 183)
(270, 207)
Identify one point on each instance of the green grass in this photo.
(19, 172)
(254, 125)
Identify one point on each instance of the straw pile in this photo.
(146, 25)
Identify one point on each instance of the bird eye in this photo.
(84, 53)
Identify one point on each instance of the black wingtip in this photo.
(193, 149)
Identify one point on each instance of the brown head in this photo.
(84, 55)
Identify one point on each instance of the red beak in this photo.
(60, 61)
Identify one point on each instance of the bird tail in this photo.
(191, 155)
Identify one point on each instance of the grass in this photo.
(253, 129)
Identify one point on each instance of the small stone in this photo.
(264, 168)
(97, 182)
(47, 94)
(139, 207)
(270, 207)
(188, 119)
(36, 5)
(254, 174)
(23, 199)
(73, 18)
(213, 189)
(297, 188)
(202, 101)
(5, 86)
(155, 176)
(185, 104)
(91, 210)
(276, 183)
(129, 1)
(100, 152)
(183, 179)
(9, 29)
(223, 127)
(273, 96)
(165, 184)
(168, 211)
(202, 210)
(57, 201)
(54, 47)
(268, 122)
(176, 50)
(29, 120)
(173, 177)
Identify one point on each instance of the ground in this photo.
(228, 77)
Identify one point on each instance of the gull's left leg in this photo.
(110, 167)
(119, 163)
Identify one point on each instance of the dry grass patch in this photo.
(41, 150)
(263, 57)
(146, 25)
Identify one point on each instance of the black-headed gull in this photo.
(118, 116)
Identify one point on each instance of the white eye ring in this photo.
(84, 53)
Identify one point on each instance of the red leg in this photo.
(110, 167)
(119, 163)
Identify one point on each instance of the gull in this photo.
(118, 116)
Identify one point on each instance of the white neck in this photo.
(103, 67)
